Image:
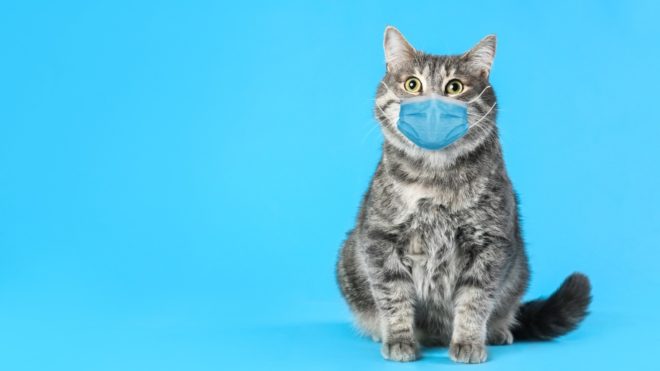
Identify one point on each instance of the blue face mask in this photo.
(433, 122)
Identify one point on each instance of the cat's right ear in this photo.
(397, 49)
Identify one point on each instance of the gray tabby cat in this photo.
(436, 256)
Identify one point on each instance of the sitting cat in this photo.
(436, 256)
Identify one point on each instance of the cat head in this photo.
(411, 73)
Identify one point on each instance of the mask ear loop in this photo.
(484, 116)
(478, 96)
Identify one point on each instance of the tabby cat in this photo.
(436, 256)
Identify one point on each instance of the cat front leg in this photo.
(393, 289)
(471, 310)
(474, 300)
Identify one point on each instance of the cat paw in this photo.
(467, 353)
(400, 350)
(503, 337)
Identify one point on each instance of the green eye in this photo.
(454, 87)
(412, 85)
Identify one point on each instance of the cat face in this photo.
(412, 73)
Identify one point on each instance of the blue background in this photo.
(176, 177)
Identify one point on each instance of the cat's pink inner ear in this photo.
(397, 49)
(480, 57)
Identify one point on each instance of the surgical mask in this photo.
(434, 121)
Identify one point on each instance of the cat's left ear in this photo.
(480, 57)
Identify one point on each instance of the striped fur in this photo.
(436, 256)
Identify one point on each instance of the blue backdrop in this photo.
(176, 177)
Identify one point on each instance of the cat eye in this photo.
(413, 85)
(454, 87)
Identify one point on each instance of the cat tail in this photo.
(545, 319)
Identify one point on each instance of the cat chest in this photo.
(431, 255)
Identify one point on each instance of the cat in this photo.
(436, 257)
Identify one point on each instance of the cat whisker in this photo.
(384, 113)
(371, 131)
(483, 129)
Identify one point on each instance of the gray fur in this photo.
(436, 256)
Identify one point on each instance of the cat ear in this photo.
(397, 48)
(481, 56)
